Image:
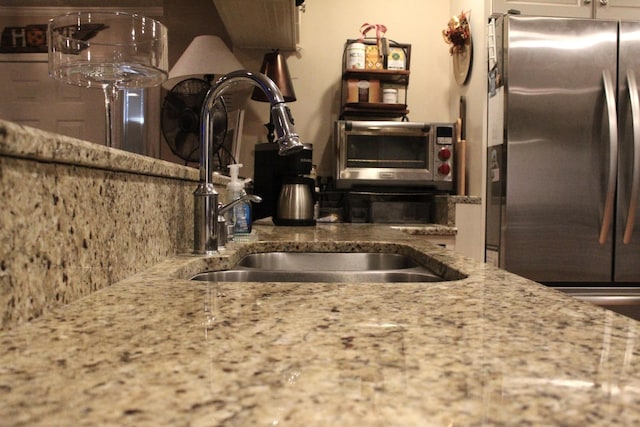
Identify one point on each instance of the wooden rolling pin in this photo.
(460, 155)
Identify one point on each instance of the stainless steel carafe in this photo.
(295, 202)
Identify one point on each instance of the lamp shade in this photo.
(206, 55)
(275, 67)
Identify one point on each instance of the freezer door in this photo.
(627, 250)
(561, 134)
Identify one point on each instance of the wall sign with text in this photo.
(27, 39)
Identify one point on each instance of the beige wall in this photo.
(475, 92)
(316, 67)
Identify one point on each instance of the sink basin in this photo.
(321, 261)
(376, 276)
(324, 267)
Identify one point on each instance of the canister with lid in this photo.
(355, 56)
(390, 96)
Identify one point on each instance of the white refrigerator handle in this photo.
(635, 183)
(610, 100)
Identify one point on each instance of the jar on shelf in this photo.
(355, 56)
(390, 96)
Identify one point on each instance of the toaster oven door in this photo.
(384, 153)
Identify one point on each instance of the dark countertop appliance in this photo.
(287, 196)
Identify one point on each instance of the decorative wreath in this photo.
(457, 33)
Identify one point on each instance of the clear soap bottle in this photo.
(240, 215)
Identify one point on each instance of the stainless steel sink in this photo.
(320, 261)
(324, 267)
(376, 276)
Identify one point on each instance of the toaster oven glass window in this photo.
(387, 151)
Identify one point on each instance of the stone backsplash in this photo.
(76, 217)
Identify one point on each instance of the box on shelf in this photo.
(396, 60)
(373, 59)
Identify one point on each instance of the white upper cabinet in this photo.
(618, 9)
(606, 9)
(572, 8)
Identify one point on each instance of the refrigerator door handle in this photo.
(635, 183)
(610, 100)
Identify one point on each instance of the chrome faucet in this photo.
(206, 209)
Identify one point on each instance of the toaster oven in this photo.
(394, 153)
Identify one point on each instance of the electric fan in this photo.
(180, 119)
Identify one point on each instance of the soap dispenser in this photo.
(240, 214)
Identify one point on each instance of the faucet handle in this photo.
(254, 198)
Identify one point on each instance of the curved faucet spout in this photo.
(286, 135)
(205, 220)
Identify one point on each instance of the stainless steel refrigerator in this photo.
(563, 160)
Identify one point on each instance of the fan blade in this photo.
(189, 121)
(180, 119)
(175, 102)
(200, 98)
(186, 146)
(219, 126)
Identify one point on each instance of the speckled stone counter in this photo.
(77, 216)
(491, 349)
(120, 336)
(445, 208)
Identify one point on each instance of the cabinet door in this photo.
(562, 8)
(34, 99)
(30, 97)
(617, 9)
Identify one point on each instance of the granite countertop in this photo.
(157, 349)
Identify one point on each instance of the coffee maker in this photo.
(287, 194)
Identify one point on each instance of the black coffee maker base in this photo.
(294, 222)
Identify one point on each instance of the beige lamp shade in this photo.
(206, 55)
(209, 57)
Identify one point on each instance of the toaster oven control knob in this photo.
(444, 169)
(444, 154)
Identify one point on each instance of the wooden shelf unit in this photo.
(373, 110)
